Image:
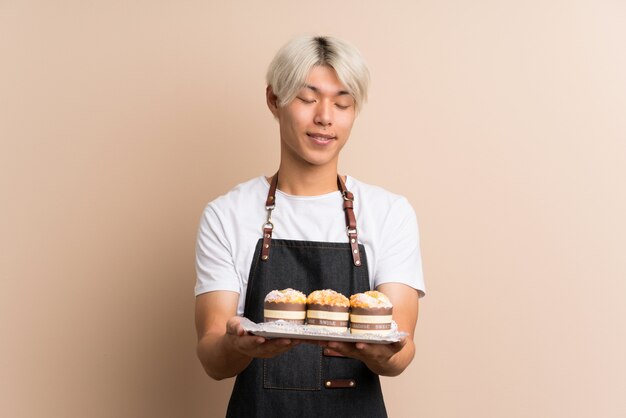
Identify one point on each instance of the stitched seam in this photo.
(318, 246)
(266, 385)
(251, 276)
(319, 377)
(302, 389)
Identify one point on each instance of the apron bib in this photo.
(304, 382)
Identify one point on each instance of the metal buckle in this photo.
(345, 196)
(350, 231)
(269, 217)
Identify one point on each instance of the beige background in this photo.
(503, 122)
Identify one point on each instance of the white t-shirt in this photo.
(232, 224)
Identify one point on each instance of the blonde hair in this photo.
(290, 67)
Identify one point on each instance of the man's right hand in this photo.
(255, 346)
(224, 347)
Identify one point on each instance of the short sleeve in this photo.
(400, 257)
(214, 261)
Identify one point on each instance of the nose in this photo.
(323, 115)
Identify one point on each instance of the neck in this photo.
(309, 181)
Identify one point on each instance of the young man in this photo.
(306, 228)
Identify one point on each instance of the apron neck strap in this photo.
(271, 195)
(348, 207)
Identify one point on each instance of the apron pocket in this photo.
(298, 369)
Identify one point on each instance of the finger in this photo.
(272, 348)
(280, 342)
(249, 342)
(331, 352)
(235, 330)
(345, 349)
(233, 327)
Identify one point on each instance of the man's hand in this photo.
(254, 346)
(379, 358)
(387, 359)
(224, 348)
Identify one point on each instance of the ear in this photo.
(272, 101)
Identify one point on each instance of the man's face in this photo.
(315, 126)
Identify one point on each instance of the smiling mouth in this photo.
(321, 138)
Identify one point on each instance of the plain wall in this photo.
(503, 122)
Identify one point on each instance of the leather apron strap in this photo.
(348, 207)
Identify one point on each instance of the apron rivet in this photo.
(267, 245)
(357, 262)
(353, 240)
(267, 235)
(265, 257)
(356, 251)
(328, 383)
(351, 383)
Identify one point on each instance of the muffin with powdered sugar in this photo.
(288, 305)
(370, 313)
(328, 310)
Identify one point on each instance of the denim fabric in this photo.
(291, 384)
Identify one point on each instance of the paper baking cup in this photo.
(290, 312)
(331, 318)
(370, 321)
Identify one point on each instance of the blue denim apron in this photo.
(304, 382)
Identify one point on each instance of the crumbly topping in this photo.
(288, 295)
(327, 297)
(370, 299)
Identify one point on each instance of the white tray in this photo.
(282, 329)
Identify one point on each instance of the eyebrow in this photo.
(316, 90)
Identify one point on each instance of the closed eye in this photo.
(306, 100)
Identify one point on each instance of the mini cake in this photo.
(370, 313)
(288, 305)
(328, 310)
